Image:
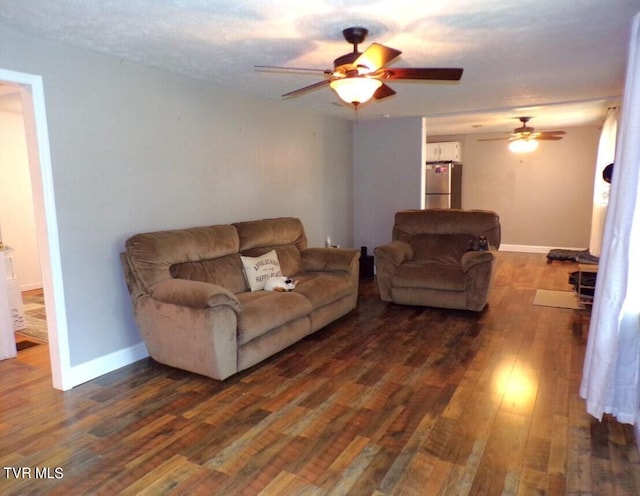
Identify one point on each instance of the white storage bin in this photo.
(13, 292)
(15, 304)
(7, 336)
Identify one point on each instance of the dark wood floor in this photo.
(389, 400)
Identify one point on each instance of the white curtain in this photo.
(611, 371)
(606, 153)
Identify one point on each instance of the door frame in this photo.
(42, 187)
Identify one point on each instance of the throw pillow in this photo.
(258, 269)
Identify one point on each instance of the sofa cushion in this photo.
(151, 255)
(429, 275)
(271, 233)
(226, 271)
(408, 223)
(324, 288)
(446, 249)
(263, 311)
(329, 259)
(258, 269)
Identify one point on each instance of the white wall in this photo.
(388, 175)
(17, 219)
(136, 149)
(543, 198)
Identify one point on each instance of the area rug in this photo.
(23, 345)
(35, 317)
(558, 299)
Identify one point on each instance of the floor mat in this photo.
(35, 317)
(558, 299)
(23, 345)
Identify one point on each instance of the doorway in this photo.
(38, 155)
(17, 222)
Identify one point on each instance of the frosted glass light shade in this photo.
(355, 89)
(523, 145)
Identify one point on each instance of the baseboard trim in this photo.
(30, 286)
(87, 371)
(534, 248)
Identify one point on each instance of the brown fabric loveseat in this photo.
(196, 312)
(434, 258)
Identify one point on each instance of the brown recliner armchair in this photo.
(438, 258)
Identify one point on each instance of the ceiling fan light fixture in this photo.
(355, 90)
(523, 145)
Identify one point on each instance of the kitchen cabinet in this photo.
(445, 151)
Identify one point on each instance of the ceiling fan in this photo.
(525, 139)
(357, 77)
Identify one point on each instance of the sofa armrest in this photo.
(472, 258)
(326, 259)
(387, 259)
(397, 252)
(193, 294)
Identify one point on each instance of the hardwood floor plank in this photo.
(530, 482)
(163, 478)
(263, 475)
(503, 454)
(288, 483)
(348, 466)
(413, 478)
(261, 458)
(389, 400)
(329, 446)
(474, 425)
(343, 483)
(579, 454)
(559, 439)
(373, 473)
(200, 483)
(461, 477)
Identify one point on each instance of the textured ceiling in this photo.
(560, 61)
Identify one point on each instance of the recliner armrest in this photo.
(326, 259)
(398, 252)
(193, 294)
(473, 258)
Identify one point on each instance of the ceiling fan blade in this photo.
(547, 134)
(311, 87)
(493, 139)
(436, 74)
(548, 138)
(277, 68)
(376, 56)
(383, 92)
